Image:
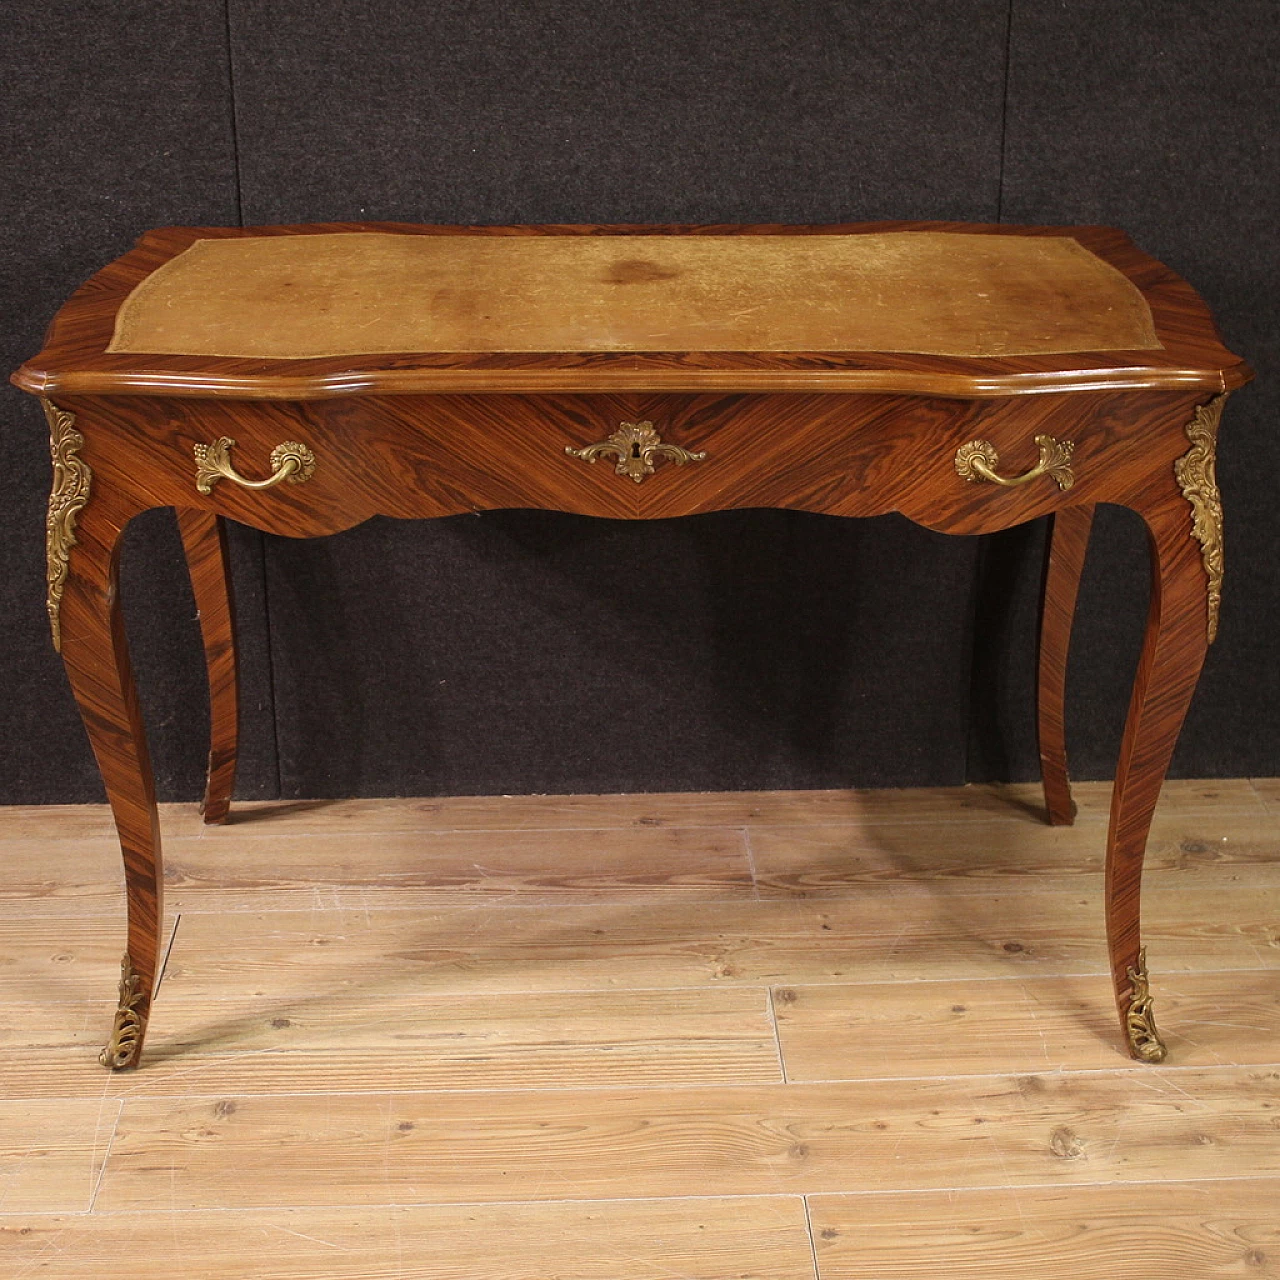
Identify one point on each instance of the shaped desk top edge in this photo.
(75, 360)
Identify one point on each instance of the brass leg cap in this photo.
(1139, 1023)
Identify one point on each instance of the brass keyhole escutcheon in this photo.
(635, 445)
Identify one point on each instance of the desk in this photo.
(303, 379)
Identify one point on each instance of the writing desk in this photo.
(302, 379)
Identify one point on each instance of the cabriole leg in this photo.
(83, 543)
(1173, 652)
(204, 538)
(1064, 563)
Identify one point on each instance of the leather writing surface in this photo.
(353, 293)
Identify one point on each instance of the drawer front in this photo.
(1008, 461)
(317, 467)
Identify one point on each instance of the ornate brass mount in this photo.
(635, 444)
(978, 460)
(290, 461)
(70, 491)
(1139, 1022)
(1196, 472)
(126, 1035)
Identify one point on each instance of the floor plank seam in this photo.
(729, 984)
(371, 1206)
(866, 1193)
(1262, 1180)
(1121, 1072)
(777, 1035)
(813, 1240)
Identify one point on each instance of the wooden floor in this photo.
(770, 1036)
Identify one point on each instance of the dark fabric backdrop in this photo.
(521, 651)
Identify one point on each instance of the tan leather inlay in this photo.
(363, 293)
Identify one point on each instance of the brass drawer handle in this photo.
(290, 461)
(635, 444)
(978, 460)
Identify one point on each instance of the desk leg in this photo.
(204, 538)
(95, 652)
(1064, 563)
(1173, 651)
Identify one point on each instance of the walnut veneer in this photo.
(944, 361)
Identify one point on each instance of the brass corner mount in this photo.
(67, 497)
(1197, 476)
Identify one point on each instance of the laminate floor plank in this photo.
(52, 1152)
(1268, 792)
(651, 1038)
(1126, 1126)
(874, 937)
(703, 1239)
(1177, 1231)
(979, 855)
(920, 933)
(402, 1042)
(241, 868)
(1018, 1024)
(1016, 802)
(245, 869)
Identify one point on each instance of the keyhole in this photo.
(635, 449)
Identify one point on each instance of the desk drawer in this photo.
(316, 467)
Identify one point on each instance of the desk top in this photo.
(931, 308)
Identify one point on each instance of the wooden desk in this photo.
(303, 379)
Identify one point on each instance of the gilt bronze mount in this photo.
(71, 481)
(126, 1034)
(635, 445)
(978, 460)
(1197, 476)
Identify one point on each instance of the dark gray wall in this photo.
(526, 651)
(117, 117)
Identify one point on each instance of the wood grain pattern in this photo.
(255, 867)
(52, 1153)
(708, 1238)
(414, 457)
(888, 1030)
(851, 435)
(1014, 803)
(1268, 792)
(536, 1041)
(882, 936)
(340, 944)
(95, 653)
(1173, 652)
(987, 856)
(1205, 1230)
(801, 1138)
(1064, 564)
(204, 540)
